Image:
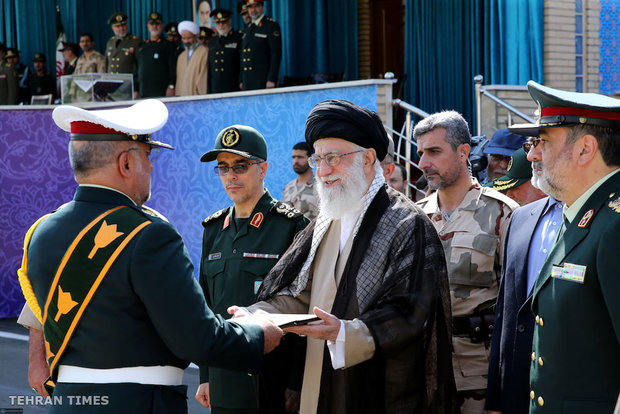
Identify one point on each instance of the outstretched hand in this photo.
(328, 329)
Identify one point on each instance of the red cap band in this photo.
(91, 128)
(588, 113)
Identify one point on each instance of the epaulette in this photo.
(215, 216)
(270, 19)
(285, 210)
(500, 197)
(153, 213)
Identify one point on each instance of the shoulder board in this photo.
(285, 210)
(269, 19)
(153, 213)
(215, 216)
(488, 192)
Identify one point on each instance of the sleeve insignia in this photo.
(615, 204)
(214, 216)
(276, 33)
(286, 210)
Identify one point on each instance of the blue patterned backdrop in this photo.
(36, 177)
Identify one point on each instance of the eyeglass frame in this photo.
(242, 168)
(531, 142)
(314, 161)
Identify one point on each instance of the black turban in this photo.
(345, 120)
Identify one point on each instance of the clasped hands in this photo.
(328, 328)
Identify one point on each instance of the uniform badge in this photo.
(231, 137)
(257, 284)
(226, 222)
(615, 205)
(119, 18)
(215, 256)
(586, 219)
(257, 220)
(570, 272)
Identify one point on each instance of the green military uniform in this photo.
(575, 361)
(9, 88)
(224, 62)
(237, 253)
(261, 52)
(156, 67)
(120, 54)
(472, 237)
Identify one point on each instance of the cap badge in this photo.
(119, 18)
(230, 137)
(219, 15)
(615, 205)
(510, 164)
(153, 16)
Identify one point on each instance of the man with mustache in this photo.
(576, 154)
(371, 267)
(530, 236)
(300, 192)
(156, 62)
(471, 221)
(120, 54)
(240, 245)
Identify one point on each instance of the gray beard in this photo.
(347, 197)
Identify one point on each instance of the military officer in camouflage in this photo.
(471, 221)
(241, 244)
(300, 192)
(575, 361)
(120, 51)
(156, 62)
(224, 54)
(261, 49)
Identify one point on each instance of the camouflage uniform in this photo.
(95, 63)
(302, 197)
(472, 239)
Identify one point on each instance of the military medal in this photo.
(570, 272)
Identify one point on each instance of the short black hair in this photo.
(403, 171)
(304, 146)
(89, 35)
(608, 141)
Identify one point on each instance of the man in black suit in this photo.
(261, 49)
(530, 235)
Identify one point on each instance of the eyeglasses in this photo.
(151, 154)
(531, 142)
(222, 170)
(331, 159)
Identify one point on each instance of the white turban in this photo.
(189, 26)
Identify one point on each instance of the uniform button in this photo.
(532, 395)
(541, 322)
(541, 402)
(540, 361)
(234, 251)
(521, 327)
(537, 319)
(533, 357)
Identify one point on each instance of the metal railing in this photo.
(403, 139)
(481, 90)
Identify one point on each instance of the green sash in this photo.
(81, 271)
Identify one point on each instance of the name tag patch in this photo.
(214, 256)
(231, 45)
(261, 35)
(570, 272)
(261, 255)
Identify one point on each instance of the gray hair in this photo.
(457, 130)
(91, 155)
